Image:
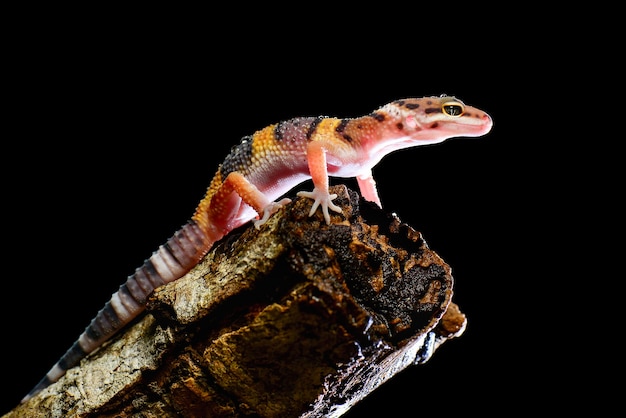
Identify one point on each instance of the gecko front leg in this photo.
(367, 186)
(316, 159)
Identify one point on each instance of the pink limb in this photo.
(251, 195)
(367, 185)
(316, 158)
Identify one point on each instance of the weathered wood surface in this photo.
(297, 319)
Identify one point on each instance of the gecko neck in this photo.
(393, 135)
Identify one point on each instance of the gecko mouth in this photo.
(469, 127)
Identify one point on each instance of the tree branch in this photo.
(297, 319)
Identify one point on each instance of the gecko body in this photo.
(259, 170)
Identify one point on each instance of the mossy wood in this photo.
(297, 319)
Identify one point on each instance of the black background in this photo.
(121, 122)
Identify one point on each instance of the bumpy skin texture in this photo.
(262, 168)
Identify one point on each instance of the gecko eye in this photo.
(454, 109)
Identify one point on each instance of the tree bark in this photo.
(296, 319)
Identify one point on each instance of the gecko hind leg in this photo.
(269, 210)
(250, 194)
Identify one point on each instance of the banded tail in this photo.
(170, 262)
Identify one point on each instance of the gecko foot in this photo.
(323, 198)
(269, 210)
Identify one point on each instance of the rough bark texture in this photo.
(297, 319)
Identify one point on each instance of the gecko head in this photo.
(437, 118)
(413, 122)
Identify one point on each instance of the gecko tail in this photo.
(43, 383)
(170, 262)
(71, 358)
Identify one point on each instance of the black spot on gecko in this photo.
(152, 273)
(412, 105)
(378, 116)
(399, 102)
(72, 357)
(399, 126)
(92, 333)
(342, 127)
(313, 127)
(111, 316)
(432, 110)
(239, 157)
(278, 131)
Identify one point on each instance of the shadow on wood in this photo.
(297, 319)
